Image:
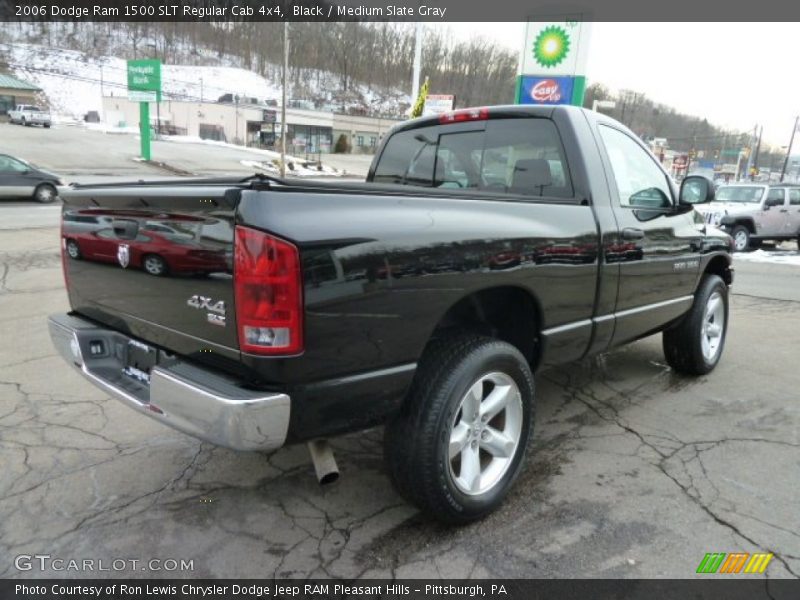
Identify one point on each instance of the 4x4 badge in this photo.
(198, 301)
(124, 255)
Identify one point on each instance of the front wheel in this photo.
(741, 238)
(45, 193)
(694, 346)
(155, 265)
(73, 250)
(459, 443)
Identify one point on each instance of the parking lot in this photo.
(115, 154)
(635, 472)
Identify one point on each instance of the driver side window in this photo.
(11, 165)
(640, 181)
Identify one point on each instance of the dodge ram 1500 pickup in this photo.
(485, 243)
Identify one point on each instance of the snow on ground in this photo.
(784, 254)
(295, 164)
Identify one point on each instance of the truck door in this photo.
(657, 248)
(774, 215)
(794, 212)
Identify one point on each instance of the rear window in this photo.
(511, 156)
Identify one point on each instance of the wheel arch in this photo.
(509, 313)
(719, 265)
(746, 222)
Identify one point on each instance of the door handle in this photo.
(629, 233)
(784, 210)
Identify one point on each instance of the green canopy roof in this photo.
(7, 81)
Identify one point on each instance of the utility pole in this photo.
(750, 153)
(758, 149)
(201, 90)
(417, 63)
(284, 126)
(789, 149)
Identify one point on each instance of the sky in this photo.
(736, 75)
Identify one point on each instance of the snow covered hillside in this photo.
(74, 82)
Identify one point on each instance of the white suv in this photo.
(754, 212)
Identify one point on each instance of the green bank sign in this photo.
(144, 80)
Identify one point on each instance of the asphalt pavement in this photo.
(635, 471)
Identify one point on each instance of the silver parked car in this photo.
(754, 212)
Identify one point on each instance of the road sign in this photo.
(546, 90)
(556, 48)
(144, 80)
(436, 104)
(144, 86)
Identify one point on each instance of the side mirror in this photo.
(696, 189)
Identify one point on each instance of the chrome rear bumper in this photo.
(186, 397)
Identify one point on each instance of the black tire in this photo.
(741, 238)
(47, 125)
(417, 441)
(154, 265)
(683, 343)
(24, 122)
(45, 193)
(73, 250)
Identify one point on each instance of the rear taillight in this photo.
(269, 296)
(466, 114)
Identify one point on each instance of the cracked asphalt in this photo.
(635, 472)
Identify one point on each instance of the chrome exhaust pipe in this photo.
(324, 462)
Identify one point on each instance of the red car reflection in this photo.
(155, 253)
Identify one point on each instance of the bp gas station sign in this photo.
(144, 86)
(553, 63)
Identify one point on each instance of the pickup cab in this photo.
(28, 114)
(486, 243)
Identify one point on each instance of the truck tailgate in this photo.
(155, 262)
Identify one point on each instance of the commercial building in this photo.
(363, 134)
(14, 91)
(309, 132)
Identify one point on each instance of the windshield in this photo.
(739, 193)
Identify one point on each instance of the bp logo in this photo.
(551, 46)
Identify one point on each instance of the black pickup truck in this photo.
(486, 243)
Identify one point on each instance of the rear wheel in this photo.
(741, 238)
(694, 346)
(45, 193)
(459, 443)
(154, 265)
